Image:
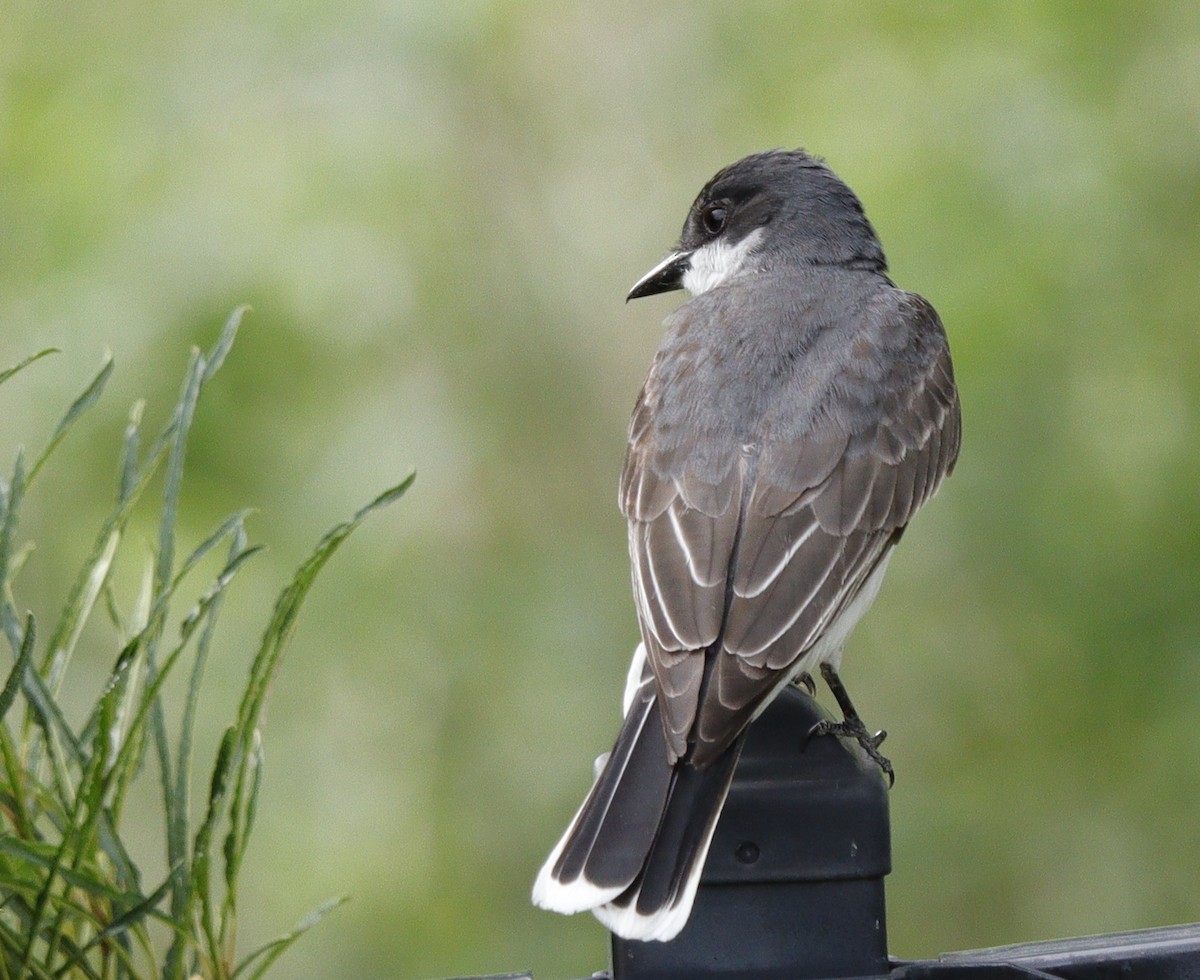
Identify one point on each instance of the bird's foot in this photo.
(855, 729)
(851, 726)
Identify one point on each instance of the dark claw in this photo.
(820, 728)
(854, 728)
(806, 681)
(871, 745)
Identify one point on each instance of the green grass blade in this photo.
(99, 777)
(16, 368)
(216, 355)
(163, 574)
(80, 834)
(93, 583)
(81, 404)
(129, 452)
(62, 745)
(68, 623)
(18, 805)
(202, 846)
(145, 908)
(266, 662)
(200, 370)
(17, 675)
(184, 413)
(287, 607)
(271, 951)
(80, 600)
(12, 942)
(235, 528)
(232, 527)
(183, 902)
(32, 854)
(242, 811)
(42, 904)
(124, 755)
(10, 503)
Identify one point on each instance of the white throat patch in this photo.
(717, 262)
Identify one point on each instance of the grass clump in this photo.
(73, 902)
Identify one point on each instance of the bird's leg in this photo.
(851, 726)
(805, 680)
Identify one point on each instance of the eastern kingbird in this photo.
(799, 411)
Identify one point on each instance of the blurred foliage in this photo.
(435, 210)
(76, 901)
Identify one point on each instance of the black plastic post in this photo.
(793, 885)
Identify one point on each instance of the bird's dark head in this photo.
(769, 209)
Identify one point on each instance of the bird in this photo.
(799, 411)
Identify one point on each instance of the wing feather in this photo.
(742, 565)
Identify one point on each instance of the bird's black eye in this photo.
(713, 217)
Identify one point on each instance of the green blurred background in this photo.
(435, 210)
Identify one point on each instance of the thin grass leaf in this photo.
(110, 841)
(271, 951)
(183, 904)
(97, 576)
(145, 908)
(13, 942)
(200, 370)
(86, 826)
(86, 400)
(163, 573)
(115, 521)
(266, 662)
(38, 854)
(150, 617)
(126, 710)
(62, 745)
(202, 846)
(16, 562)
(10, 503)
(145, 597)
(9, 372)
(150, 696)
(174, 965)
(60, 740)
(30, 853)
(129, 451)
(80, 836)
(216, 356)
(234, 526)
(241, 823)
(42, 903)
(114, 613)
(18, 806)
(184, 413)
(287, 607)
(17, 675)
(71, 948)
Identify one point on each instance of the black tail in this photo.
(635, 850)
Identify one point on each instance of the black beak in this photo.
(664, 277)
